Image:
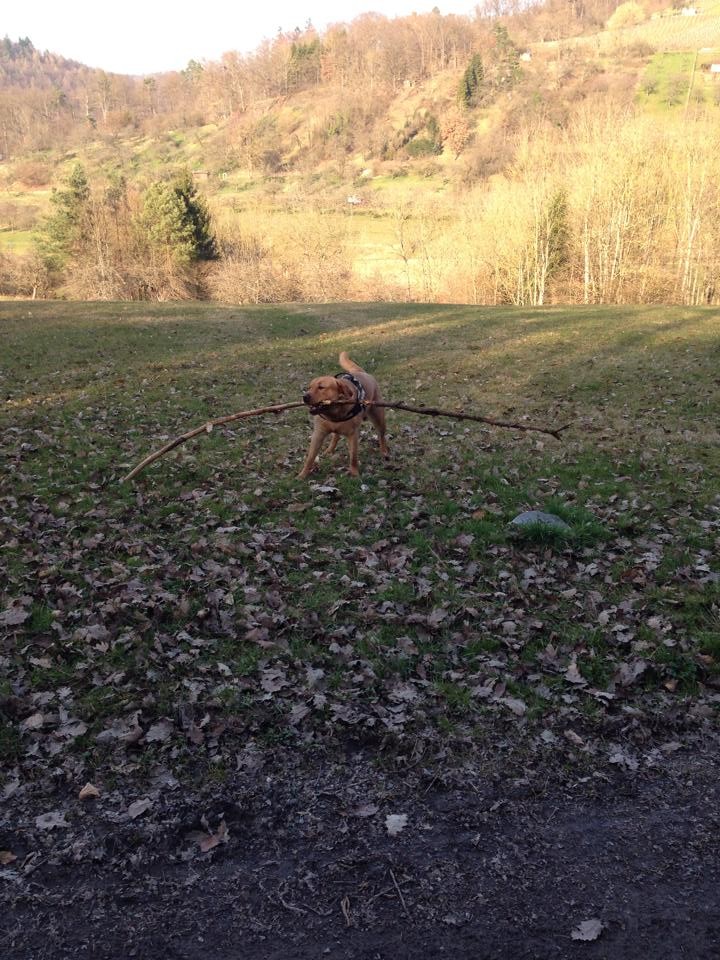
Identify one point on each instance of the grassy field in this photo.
(675, 32)
(667, 79)
(16, 241)
(219, 599)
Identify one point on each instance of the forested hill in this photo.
(24, 67)
(561, 152)
(351, 74)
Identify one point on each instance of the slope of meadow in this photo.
(370, 687)
(221, 570)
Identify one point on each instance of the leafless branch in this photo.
(281, 407)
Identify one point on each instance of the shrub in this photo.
(33, 173)
(18, 216)
(24, 276)
(626, 15)
(422, 147)
(247, 272)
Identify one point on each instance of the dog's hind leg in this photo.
(334, 439)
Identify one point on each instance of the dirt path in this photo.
(484, 868)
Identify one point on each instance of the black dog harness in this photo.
(359, 399)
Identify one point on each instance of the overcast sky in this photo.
(146, 36)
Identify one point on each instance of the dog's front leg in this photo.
(316, 441)
(353, 441)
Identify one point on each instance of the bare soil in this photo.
(488, 865)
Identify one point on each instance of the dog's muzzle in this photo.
(314, 409)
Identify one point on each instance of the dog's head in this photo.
(324, 391)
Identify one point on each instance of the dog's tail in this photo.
(347, 364)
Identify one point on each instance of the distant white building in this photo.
(689, 12)
(715, 68)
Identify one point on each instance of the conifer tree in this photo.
(66, 231)
(177, 221)
(507, 56)
(471, 82)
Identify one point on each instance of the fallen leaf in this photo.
(623, 759)
(195, 734)
(273, 679)
(403, 693)
(395, 822)
(126, 731)
(6, 857)
(518, 707)
(10, 788)
(137, 809)
(208, 841)
(629, 672)
(325, 488)
(44, 662)
(160, 731)
(33, 722)
(298, 713)
(48, 821)
(588, 930)
(89, 792)
(71, 729)
(573, 675)
(13, 616)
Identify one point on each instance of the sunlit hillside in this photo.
(430, 157)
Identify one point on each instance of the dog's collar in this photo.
(359, 399)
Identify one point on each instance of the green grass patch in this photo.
(17, 241)
(665, 83)
(220, 585)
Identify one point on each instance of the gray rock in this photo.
(537, 516)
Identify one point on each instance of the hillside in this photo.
(363, 148)
(22, 67)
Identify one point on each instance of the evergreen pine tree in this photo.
(178, 221)
(66, 231)
(471, 82)
(507, 55)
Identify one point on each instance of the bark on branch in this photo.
(207, 428)
(281, 407)
(460, 415)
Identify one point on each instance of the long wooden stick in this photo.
(434, 412)
(281, 407)
(206, 428)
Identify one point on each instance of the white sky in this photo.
(156, 35)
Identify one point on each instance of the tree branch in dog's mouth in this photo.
(324, 404)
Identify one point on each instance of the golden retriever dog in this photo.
(327, 398)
